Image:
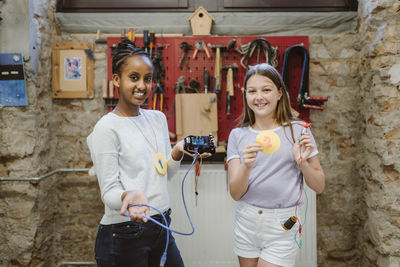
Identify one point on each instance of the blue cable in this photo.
(165, 226)
(164, 256)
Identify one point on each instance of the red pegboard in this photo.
(172, 53)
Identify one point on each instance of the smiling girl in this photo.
(263, 175)
(132, 158)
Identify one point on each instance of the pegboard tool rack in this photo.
(172, 52)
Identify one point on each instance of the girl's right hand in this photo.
(249, 155)
(136, 212)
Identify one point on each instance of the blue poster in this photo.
(12, 80)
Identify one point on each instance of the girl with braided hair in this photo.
(132, 158)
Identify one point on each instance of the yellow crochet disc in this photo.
(269, 141)
(160, 162)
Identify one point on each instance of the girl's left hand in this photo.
(303, 149)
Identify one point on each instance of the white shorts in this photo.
(258, 233)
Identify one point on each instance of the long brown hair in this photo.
(283, 112)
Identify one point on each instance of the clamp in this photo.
(185, 48)
(311, 102)
(180, 87)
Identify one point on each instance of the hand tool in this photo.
(232, 45)
(218, 66)
(303, 100)
(131, 35)
(113, 49)
(152, 39)
(158, 75)
(180, 88)
(312, 102)
(396, 10)
(200, 45)
(269, 52)
(159, 70)
(206, 77)
(158, 92)
(146, 40)
(194, 86)
(98, 40)
(185, 48)
(230, 91)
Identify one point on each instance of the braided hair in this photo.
(124, 50)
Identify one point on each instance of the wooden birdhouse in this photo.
(201, 22)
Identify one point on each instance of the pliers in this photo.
(200, 45)
(158, 91)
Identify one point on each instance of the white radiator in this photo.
(212, 217)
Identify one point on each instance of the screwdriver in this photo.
(131, 35)
(206, 81)
(146, 40)
(152, 40)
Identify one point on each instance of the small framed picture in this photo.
(73, 74)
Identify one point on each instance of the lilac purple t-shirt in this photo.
(273, 180)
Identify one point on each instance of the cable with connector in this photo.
(165, 226)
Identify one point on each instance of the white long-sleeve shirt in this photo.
(124, 160)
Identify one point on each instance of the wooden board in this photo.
(196, 114)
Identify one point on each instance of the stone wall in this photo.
(54, 220)
(379, 145)
(334, 73)
(358, 136)
(27, 149)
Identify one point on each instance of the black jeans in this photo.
(132, 244)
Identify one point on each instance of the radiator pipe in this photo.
(39, 178)
(88, 263)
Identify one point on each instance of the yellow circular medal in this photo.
(160, 162)
(269, 141)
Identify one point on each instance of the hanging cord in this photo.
(301, 181)
(301, 225)
(247, 51)
(165, 226)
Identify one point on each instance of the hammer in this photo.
(229, 85)
(218, 66)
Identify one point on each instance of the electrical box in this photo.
(12, 80)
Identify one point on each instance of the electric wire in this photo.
(165, 226)
(301, 180)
